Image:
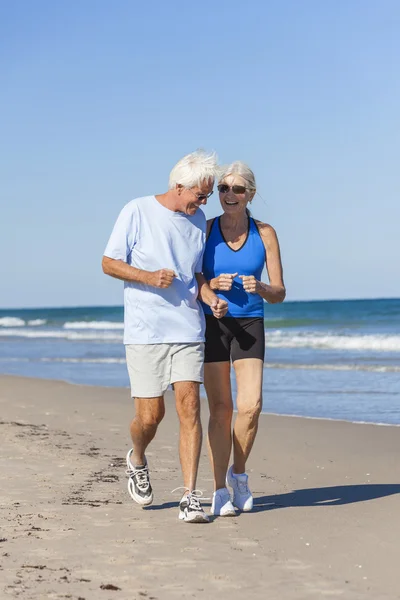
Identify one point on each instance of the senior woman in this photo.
(237, 249)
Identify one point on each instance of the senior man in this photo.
(156, 248)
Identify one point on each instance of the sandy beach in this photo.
(326, 521)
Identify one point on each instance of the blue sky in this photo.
(100, 99)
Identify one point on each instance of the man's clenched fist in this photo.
(162, 278)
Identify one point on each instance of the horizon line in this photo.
(72, 306)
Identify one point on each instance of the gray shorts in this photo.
(153, 367)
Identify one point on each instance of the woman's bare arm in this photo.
(275, 291)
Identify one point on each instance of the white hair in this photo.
(239, 168)
(194, 169)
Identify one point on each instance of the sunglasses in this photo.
(223, 188)
(201, 197)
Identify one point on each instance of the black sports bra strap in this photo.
(211, 226)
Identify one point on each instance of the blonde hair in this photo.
(239, 168)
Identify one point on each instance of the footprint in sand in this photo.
(295, 565)
(221, 581)
(163, 563)
(245, 543)
(324, 589)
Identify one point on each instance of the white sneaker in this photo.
(139, 486)
(190, 509)
(221, 504)
(242, 498)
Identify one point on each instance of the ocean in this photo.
(336, 359)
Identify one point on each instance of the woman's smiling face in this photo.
(234, 194)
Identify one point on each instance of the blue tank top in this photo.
(249, 259)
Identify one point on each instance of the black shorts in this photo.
(234, 338)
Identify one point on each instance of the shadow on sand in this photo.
(325, 496)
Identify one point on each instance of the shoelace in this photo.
(194, 502)
(243, 487)
(142, 477)
(194, 497)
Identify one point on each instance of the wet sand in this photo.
(326, 522)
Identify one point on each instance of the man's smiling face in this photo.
(192, 198)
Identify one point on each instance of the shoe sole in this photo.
(244, 509)
(227, 514)
(195, 519)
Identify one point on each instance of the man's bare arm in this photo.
(121, 270)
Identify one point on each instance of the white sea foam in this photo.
(335, 367)
(93, 325)
(112, 331)
(11, 322)
(292, 416)
(113, 361)
(375, 342)
(37, 322)
(267, 365)
(62, 334)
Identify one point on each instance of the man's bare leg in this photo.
(149, 414)
(187, 396)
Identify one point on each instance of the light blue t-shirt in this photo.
(149, 236)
